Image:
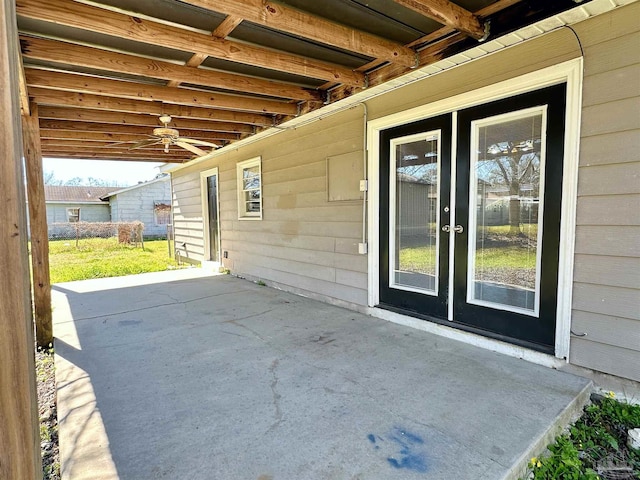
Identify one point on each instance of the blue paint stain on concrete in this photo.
(408, 449)
(411, 454)
(372, 439)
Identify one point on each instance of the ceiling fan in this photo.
(167, 136)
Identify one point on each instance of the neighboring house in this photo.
(71, 204)
(267, 208)
(147, 202)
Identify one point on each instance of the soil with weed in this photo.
(45, 373)
(595, 447)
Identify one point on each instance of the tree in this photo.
(50, 178)
(512, 165)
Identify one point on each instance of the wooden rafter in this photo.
(120, 134)
(100, 116)
(68, 54)
(49, 96)
(221, 31)
(286, 19)
(118, 156)
(86, 17)
(448, 13)
(90, 147)
(153, 93)
(439, 46)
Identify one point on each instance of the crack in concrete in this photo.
(236, 322)
(276, 395)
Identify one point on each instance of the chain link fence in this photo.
(109, 233)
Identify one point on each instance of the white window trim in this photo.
(240, 166)
(155, 213)
(570, 72)
(69, 209)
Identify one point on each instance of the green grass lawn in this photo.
(423, 258)
(99, 258)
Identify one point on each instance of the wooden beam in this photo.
(38, 228)
(448, 13)
(94, 144)
(118, 158)
(447, 30)
(116, 88)
(49, 96)
(227, 26)
(100, 116)
(24, 95)
(156, 153)
(114, 154)
(445, 43)
(94, 19)
(126, 134)
(78, 55)
(221, 31)
(286, 19)
(19, 427)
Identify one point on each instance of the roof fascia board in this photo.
(138, 185)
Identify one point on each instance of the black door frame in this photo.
(406, 300)
(555, 97)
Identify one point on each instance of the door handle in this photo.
(456, 229)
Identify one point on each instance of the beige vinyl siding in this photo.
(303, 242)
(309, 245)
(187, 217)
(606, 293)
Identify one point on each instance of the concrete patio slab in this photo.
(185, 375)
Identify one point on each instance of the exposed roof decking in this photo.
(255, 63)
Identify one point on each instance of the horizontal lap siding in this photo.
(304, 241)
(308, 244)
(138, 204)
(187, 216)
(606, 292)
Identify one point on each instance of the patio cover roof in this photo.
(102, 72)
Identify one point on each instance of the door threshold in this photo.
(470, 338)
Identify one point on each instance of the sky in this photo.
(125, 173)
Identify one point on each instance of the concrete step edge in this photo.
(538, 446)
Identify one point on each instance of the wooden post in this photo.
(38, 227)
(19, 431)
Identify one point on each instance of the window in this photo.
(249, 189)
(162, 213)
(73, 215)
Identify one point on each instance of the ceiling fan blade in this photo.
(128, 142)
(191, 148)
(145, 143)
(197, 142)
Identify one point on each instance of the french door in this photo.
(478, 251)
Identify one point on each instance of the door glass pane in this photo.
(414, 213)
(505, 209)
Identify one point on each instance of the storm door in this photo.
(505, 228)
